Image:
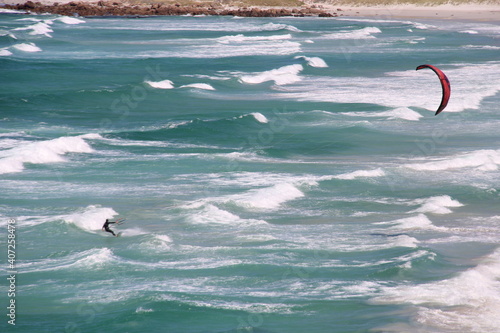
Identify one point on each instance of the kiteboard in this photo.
(119, 234)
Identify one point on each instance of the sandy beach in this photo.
(463, 11)
(476, 12)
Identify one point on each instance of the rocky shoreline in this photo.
(111, 8)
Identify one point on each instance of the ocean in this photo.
(276, 175)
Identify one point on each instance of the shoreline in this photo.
(89, 8)
(473, 12)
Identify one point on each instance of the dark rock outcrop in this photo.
(107, 8)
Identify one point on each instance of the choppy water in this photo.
(277, 175)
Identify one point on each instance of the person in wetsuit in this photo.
(105, 227)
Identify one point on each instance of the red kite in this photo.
(445, 84)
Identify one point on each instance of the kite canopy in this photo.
(445, 84)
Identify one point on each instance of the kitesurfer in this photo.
(105, 227)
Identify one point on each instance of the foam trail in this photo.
(361, 174)
(483, 160)
(42, 152)
(281, 76)
(203, 86)
(398, 113)
(241, 38)
(402, 113)
(132, 232)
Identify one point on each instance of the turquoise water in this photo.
(276, 175)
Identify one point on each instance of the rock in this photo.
(29, 5)
(107, 8)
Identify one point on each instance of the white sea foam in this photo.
(416, 25)
(481, 47)
(32, 220)
(228, 46)
(203, 86)
(257, 116)
(364, 33)
(27, 47)
(11, 11)
(469, 302)
(253, 307)
(209, 77)
(41, 152)
(398, 113)
(5, 52)
(89, 259)
(157, 243)
(482, 160)
(91, 218)
(436, 205)
(163, 238)
(70, 20)
(252, 179)
(361, 174)
(269, 197)
(97, 259)
(165, 84)
(402, 113)
(419, 222)
(280, 76)
(260, 117)
(313, 61)
(143, 310)
(39, 28)
(129, 232)
(266, 198)
(243, 39)
(210, 214)
(404, 241)
(279, 26)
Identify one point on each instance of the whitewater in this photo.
(275, 174)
